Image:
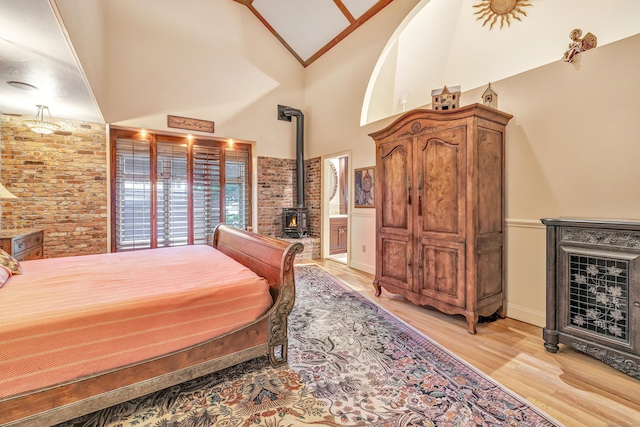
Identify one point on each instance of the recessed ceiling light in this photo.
(21, 85)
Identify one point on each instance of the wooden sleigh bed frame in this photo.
(268, 257)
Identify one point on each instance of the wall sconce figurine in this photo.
(403, 101)
(577, 45)
(503, 10)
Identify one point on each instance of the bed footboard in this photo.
(272, 259)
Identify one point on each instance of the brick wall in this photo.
(277, 190)
(312, 190)
(61, 184)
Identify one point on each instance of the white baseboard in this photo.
(367, 268)
(526, 315)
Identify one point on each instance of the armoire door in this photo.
(441, 175)
(441, 272)
(394, 257)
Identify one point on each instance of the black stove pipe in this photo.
(285, 113)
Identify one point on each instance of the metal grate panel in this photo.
(599, 296)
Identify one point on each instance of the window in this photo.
(170, 191)
(172, 195)
(236, 191)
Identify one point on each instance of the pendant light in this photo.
(40, 125)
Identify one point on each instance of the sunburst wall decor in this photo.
(504, 10)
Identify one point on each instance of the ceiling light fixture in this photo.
(21, 85)
(40, 125)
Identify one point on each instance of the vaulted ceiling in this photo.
(312, 27)
(35, 48)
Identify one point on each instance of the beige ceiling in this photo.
(34, 50)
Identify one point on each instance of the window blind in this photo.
(237, 186)
(172, 194)
(133, 194)
(206, 191)
(170, 191)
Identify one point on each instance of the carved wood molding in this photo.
(416, 129)
(626, 239)
(615, 360)
(278, 342)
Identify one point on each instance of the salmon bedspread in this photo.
(70, 318)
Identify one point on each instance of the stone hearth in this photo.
(311, 248)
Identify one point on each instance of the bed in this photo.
(209, 328)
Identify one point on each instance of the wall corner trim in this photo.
(524, 223)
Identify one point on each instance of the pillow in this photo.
(5, 273)
(10, 262)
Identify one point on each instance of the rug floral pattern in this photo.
(350, 364)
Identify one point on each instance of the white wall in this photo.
(442, 43)
(572, 146)
(203, 59)
(335, 86)
(572, 150)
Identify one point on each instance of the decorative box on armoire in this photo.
(593, 289)
(439, 191)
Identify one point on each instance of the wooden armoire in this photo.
(439, 192)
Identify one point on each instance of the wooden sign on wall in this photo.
(190, 124)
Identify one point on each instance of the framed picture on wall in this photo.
(364, 188)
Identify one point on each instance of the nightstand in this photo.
(23, 244)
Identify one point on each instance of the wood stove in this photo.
(294, 222)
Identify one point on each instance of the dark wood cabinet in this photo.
(440, 210)
(338, 235)
(593, 289)
(23, 244)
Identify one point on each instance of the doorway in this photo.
(336, 208)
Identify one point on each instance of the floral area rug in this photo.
(351, 363)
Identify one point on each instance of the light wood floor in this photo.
(573, 388)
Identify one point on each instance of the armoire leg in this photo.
(472, 321)
(377, 287)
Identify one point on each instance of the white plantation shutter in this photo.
(168, 191)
